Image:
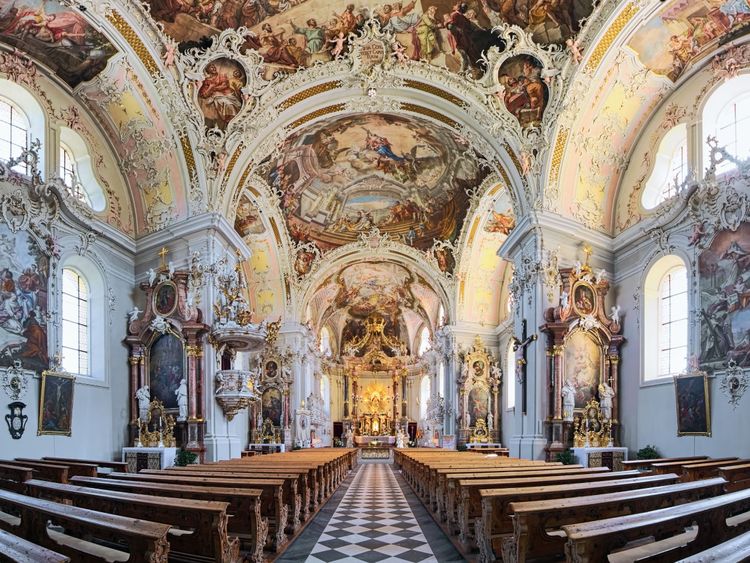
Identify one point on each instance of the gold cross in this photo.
(587, 250)
(163, 254)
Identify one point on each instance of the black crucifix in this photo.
(521, 362)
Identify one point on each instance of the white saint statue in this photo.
(569, 400)
(349, 437)
(615, 314)
(133, 314)
(143, 396)
(151, 276)
(490, 421)
(605, 400)
(400, 438)
(564, 300)
(182, 400)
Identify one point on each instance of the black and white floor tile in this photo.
(374, 521)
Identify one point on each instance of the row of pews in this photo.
(229, 511)
(515, 510)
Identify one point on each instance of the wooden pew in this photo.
(495, 521)
(469, 500)
(594, 541)
(647, 463)
(12, 477)
(74, 468)
(246, 522)
(737, 475)
(274, 505)
(48, 472)
(676, 466)
(199, 527)
(736, 550)
(146, 541)
(113, 465)
(532, 519)
(704, 470)
(19, 550)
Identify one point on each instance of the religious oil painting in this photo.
(166, 369)
(724, 282)
(478, 407)
(445, 260)
(684, 32)
(582, 366)
(247, 222)
(56, 403)
(524, 93)
(583, 299)
(271, 405)
(165, 299)
(24, 272)
(502, 218)
(375, 287)
(272, 369)
(342, 177)
(220, 92)
(56, 35)
(693, 410)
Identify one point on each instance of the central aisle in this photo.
(374, 521)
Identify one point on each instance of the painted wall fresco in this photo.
(166, 369)
(582, 365)
(247, 222)
(405, 176)
(502, 218)
(290, 35)
(724, 281)
(57, 36)
(24, 271)
(525, 94)
(371, 287)
(220, 92)
(683, 32)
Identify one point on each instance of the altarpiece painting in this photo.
(479, 396)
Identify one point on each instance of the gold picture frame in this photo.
(692, 404)
(164, 298)
(56, 404)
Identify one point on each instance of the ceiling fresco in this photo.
(683, 32)
(405, 176)
(248, 222)
(502, 218)
(57, 36)
(293, 35)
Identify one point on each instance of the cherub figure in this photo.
(133, 314)
(399, 52)
(575, 50)
(338, 40)
(169, 54)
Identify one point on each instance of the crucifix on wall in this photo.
(522, 344)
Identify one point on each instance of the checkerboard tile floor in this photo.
(373, 522)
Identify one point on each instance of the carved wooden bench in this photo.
(736, 550)
(704, 470)
(594, 541)
(737, 475)
(118, 538)
(247, 521)
(19, 550)
(469, 500)
(12, 477)
(48, 472)
(647, 463)
(74, 468)
(676, 466)
(533, 519)
(199, 527)
(113, 465)
(274, 506)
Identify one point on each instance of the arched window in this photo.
(510, 376)
(75, 323)
(670, 168)
(325, 342)
(325, 393)
(725, 116)
(76, 170)
(441, 315)
(424, 341)
(665, 319)
(424, 396)
(14, 133)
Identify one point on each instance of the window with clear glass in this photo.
(510, 376)
(70, 178)
(424, 396)
(673, 322)
(14, 134)
(424, 341)
(733, 117)
(75, 323)
(670, 168)
(325, 342)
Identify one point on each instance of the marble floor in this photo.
(373, 516)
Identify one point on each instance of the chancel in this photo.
(447, 280)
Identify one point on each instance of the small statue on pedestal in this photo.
(182, 400)
(349, 437)
(568, 400)
(143, 396)
(605, 400)
(400, 438)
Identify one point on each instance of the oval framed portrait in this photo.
(584, 300)
(165, 299)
